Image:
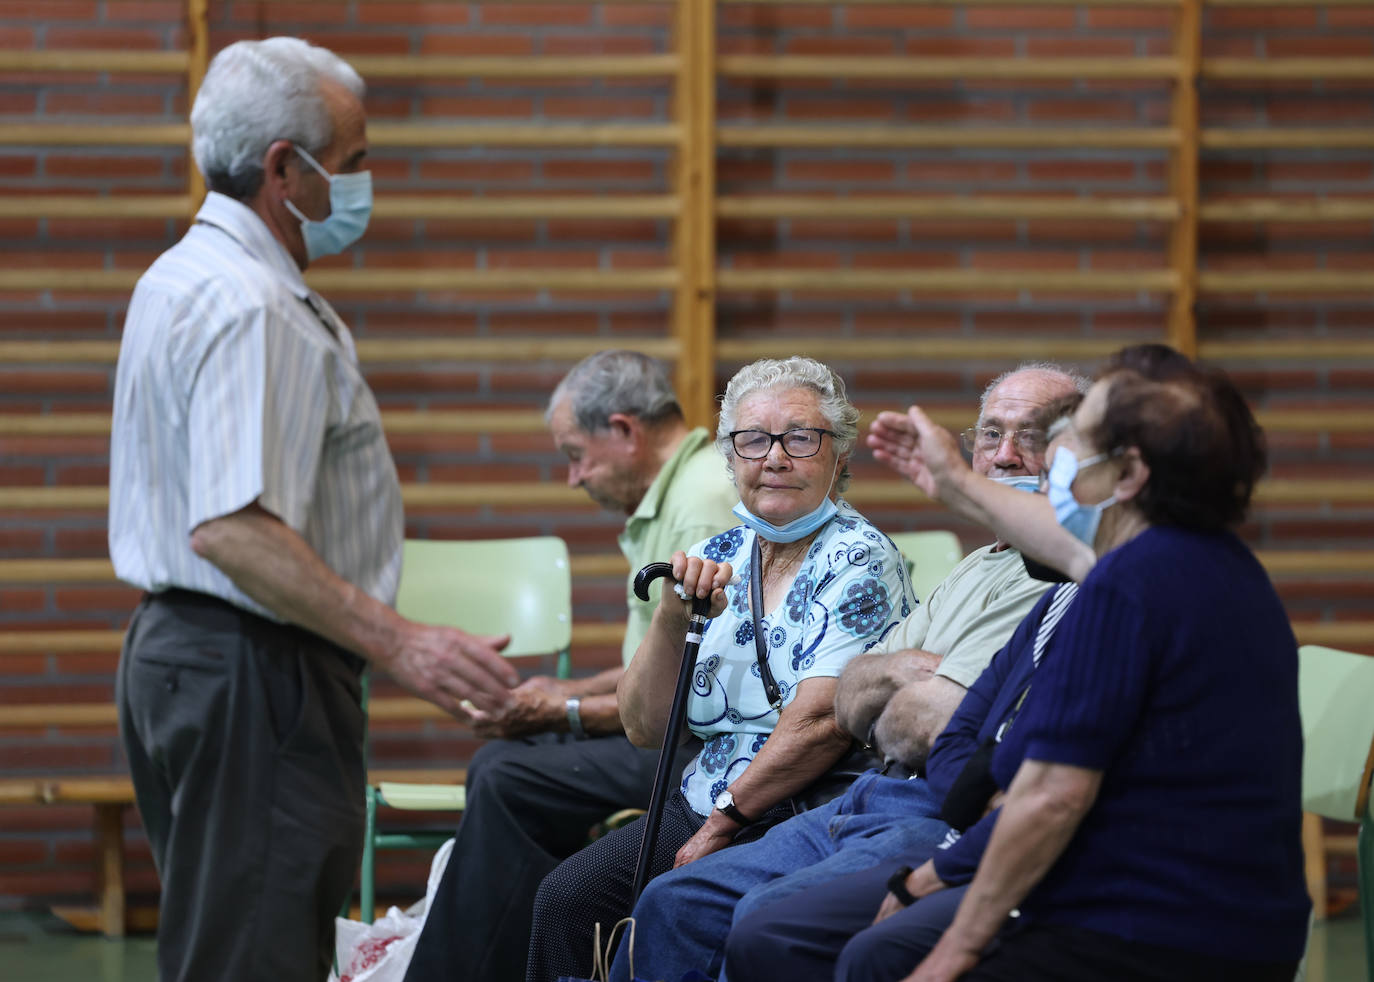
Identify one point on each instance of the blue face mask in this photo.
(350, 206)
(1022, 482)
(1079, 520)
(798, 528)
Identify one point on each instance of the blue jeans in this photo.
(830, 934)
(683, 916)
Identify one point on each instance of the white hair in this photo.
(1080, 382)
(616, 381)
(258, 92)
(791, 373)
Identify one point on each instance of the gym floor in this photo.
(36, 947)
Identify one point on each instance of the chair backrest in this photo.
(520, 587)
(930, 557)
(1336, 696)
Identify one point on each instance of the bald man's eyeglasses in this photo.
(987, 439)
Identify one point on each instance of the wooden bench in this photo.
(109, 796)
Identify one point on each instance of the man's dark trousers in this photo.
(530, 803)
(245, 744)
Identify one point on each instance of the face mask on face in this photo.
(1079, 520)
(350, 206)
(1022, 482)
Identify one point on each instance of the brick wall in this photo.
(45, 852)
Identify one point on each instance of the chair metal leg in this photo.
(1364, 857)
(367, 886)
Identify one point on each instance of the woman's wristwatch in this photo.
(896, 885)
(725, 804)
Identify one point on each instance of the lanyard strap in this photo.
(1011, 716)
(1049, 623)
(770, 684)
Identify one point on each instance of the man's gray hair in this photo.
(616, 381)
(258, 92)
(841, 417)
(1081, 383)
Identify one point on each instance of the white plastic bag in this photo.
(380, 951)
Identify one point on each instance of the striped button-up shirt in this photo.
(237, 384)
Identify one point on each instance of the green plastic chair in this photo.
(1336, 695)
(930, 557)
(521, 587)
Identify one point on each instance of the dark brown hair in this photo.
(1154, 361)
(1055, 410)
(1197, 435)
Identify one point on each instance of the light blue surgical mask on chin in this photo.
(798, 528)
(1078, 519)
(350, 207)
(1022, 482)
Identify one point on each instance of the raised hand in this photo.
(915, 447)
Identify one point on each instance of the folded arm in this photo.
(869, 681)
(914, 716)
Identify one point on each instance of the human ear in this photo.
(623, 426)
(277, 172)
(1134, 474)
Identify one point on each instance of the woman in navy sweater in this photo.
(1151, 826)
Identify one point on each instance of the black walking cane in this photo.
(701, 611)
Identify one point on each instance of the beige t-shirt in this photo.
(971, 614)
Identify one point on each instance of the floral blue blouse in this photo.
(851, 589)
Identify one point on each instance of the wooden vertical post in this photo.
(109, 865)
(694, 306)
(198, 41)
(1183, 180)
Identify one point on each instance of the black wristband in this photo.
(735, 815)
(896, 885)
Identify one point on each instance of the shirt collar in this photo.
(242, 224)
(653, 497)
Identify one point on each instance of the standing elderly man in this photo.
(253, 497)
(562, 762)
(897, 697)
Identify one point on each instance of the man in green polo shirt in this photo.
(559, 761)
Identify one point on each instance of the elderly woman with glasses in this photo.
(817, 585)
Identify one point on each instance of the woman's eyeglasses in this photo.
(799, 442)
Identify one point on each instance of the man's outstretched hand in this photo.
(915, 447)
(446, 665)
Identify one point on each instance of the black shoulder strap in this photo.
(770, 684)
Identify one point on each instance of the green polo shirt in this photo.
(689, 501)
